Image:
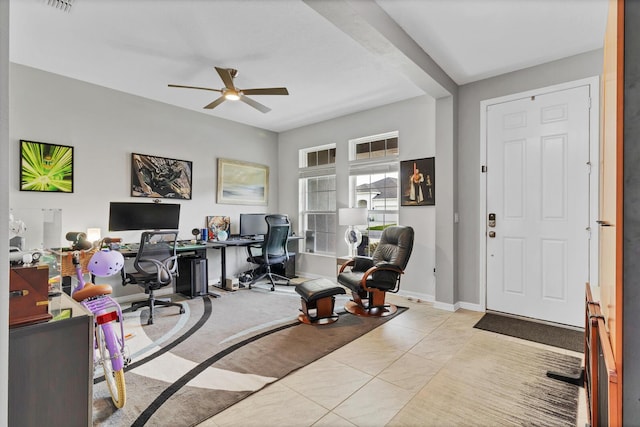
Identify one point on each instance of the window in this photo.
(321, 157)
(377, 148)
(317, 184)
(373, 183)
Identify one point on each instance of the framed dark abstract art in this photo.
(153, 176)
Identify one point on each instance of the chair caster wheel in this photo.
(182, 311)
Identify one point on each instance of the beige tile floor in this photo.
(370, 381)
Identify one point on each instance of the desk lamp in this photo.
(93, 235)
(352, 217)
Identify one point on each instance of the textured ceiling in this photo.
(335, 56)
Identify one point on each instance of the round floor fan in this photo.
(232, 93)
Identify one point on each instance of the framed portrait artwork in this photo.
(418, 182)
(46, 167)
(153, 176)
(242, 183)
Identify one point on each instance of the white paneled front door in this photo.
(537, 257)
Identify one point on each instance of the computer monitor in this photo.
(253, 224)
(124, 216)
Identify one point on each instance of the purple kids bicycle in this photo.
(108, 343)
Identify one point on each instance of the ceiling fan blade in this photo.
(266, 91)
(225, 75)
(195, 87)
(215, 103)
(254, 104)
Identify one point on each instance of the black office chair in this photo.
(370, 278)
(156, 266)
(271, 251)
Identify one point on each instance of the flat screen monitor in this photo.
(124, 216)
(253, 225)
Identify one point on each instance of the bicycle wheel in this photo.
(114, 379)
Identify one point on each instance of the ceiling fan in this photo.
(232, 93)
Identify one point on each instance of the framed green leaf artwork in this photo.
(46, 167)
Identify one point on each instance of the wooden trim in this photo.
(611, 193)
(617, 344)
(591, 357)
(597, 337)
(614, 398)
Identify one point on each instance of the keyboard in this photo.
(181, 243)
(245, 239)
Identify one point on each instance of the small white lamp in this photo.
(93, 235)
(353, 217)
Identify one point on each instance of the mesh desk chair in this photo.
(156, 266)
(272, 250)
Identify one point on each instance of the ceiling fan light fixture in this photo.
(231, 95)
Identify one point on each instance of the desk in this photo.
(131, 250)
(188, 253)
(223, 245)
(185, 249)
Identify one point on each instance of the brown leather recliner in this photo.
(370, 278)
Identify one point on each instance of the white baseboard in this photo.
(444, 306)
(416, 296)
(457, 306)
(470, 306)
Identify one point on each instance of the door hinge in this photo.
(589, 167)
(588, 230)
(483, 169)
(589, 103)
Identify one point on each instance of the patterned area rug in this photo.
(474, 390)
(187, 368)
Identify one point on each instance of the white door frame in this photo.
(594, 180)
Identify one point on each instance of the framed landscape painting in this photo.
(153, 176)
(242, 183)
(46, 167)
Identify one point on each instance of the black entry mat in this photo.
(556, 336)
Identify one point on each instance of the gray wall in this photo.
(573, 68)
(446, 205)
(4, 207)
(415, 119)
(105, 126)
(55, 109)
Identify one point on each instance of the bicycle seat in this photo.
(91, 290)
